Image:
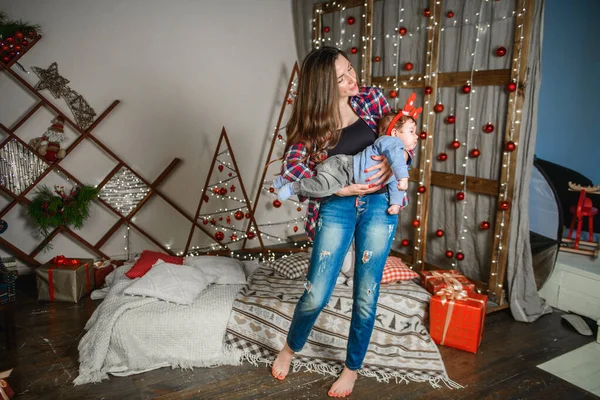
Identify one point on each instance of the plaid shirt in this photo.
(370, 105)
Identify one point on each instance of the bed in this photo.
(229, 324)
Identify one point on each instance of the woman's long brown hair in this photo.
(315, 118)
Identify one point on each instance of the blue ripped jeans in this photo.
(342, 219)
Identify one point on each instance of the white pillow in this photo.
(225, 270)
(179, 284)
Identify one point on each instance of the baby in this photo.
(397, 141)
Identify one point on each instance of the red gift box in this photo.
(456, 319)
(434, 281)
(102, 269)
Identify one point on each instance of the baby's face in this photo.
(408, 135)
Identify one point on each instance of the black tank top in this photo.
(354, 139)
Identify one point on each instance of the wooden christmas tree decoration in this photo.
(272, 165)
(225, 221)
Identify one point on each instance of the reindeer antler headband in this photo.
(409, 110)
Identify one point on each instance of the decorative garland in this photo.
(50, 209)
(9, 28)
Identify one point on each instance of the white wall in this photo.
(182, 70)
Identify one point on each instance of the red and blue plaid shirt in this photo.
(370, 105)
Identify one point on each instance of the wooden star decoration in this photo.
(51, 80)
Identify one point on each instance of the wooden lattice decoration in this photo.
(44, 168)
(502, 189)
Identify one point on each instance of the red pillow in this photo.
(147, 260)
(395, 270)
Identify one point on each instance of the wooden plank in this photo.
(337, 5)
(508, 174)
(317, 31)
(492, 77)
(426, 150)
(474, 184)
(367, 34)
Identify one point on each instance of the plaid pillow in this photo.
(292, 267)
(395, 270)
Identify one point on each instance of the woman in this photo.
(332, 115)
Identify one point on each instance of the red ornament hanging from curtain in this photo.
(350, 20)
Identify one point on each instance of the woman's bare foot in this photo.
(281, 365)
(344, 385)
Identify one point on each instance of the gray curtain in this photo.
(463, 47)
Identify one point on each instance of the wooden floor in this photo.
(45, 363)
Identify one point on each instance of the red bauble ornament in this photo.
(19, 35)
(485, 225)
(428, 89)
(377, 59)
(511, 87)
(438, 108)
(466, 89)
(279, 136)
(206, 198)
(423, 135)
(455, 144)
(350, 20)
(450, 119)
(299, 209)
(405, 242)
(354, 50)
(251, 235)
(460, 196)
(220, 218)
(24, 42)
(326, 29)
(402, 31)
(500, 51)
(219, 236)
(220, 167)
(408, 66)
(416, 223)
(271, 190)
(510, 146)
(488, 128)
(228, 219)
(295, 229)
(450, 14)
(238, 215)
(6, 59)
(393, 94)
(248, 215)
(17, 47)
(205, 221)
(223, 191)
(449, 253)
(276, 203)
(474, 153)
(427, 12)
(439, 233)
(213, 221)
(233, 237)
(10, 40)
(460, 256)
(504, 205)
(422, 189)
(442, 157)
(4, 47)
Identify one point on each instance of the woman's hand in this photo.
(383, 175)
(357, 189)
